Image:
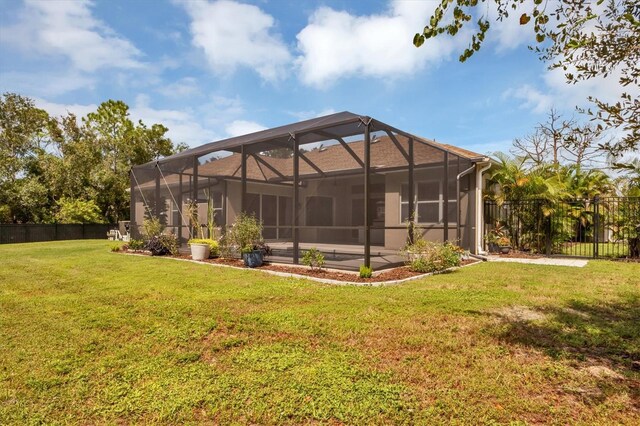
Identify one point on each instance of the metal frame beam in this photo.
(398, 145)
(194, 194)
(295, 201)
(445, 201)
(156, 209)
(268, 166)
(311, 164)
(243, 180)
(367, 189)
(411, 206)
(344, 145)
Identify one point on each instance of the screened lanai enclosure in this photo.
(345, 184)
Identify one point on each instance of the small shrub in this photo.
(152, 227)
(116, 248)
(365, 271)
(246, 233)
(135, 245)
(213, 245)
(161, 245)
(420, 264)
(313, 258)
(431, 257)
(226, 247)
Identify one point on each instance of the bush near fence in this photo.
(34, 232)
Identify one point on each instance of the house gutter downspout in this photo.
(481, 168)
(459, 208)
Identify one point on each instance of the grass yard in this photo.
(613, 250)
(88, 336)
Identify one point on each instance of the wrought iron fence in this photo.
(33, 232)
(600, 227)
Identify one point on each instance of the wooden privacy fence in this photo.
(599, 227)
(33, 232)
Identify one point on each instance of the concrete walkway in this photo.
(554, 261)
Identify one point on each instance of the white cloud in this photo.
(336, 44)
(532, 98)
(306, 115)
(243, 127)
(182, 88)
(68, 29)
(235, 35)
(45, 83)
(556, 92)
(508, 34)
(183, 125)
(59, 110)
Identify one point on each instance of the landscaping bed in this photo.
(387, 275)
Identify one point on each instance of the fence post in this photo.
(83, 236)
(548, 228)
(596, 226)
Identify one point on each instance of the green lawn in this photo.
(88, 336)
(613, 250)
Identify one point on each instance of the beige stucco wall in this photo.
(396, 238)
(340, 189)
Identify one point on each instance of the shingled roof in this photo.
(385, 155)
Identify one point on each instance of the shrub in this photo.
(432, 257)
(116, 248)
(161, 245)
(135, 245)
(365, 271)
(226, 247)
(213, 245)
(246, 233)
(313, 258)
(152, 227)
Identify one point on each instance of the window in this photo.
(206, 194)
(319, 211)
(274, 211)
(428, 203)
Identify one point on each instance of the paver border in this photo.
(308, 277)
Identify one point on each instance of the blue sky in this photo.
(213, 69)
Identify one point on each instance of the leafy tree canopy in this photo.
(52, 165)
(583, 38)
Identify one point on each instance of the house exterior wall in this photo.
(397, 238)
(341, 190)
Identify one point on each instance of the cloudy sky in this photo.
(213, 69)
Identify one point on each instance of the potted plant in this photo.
(200, 249)
(203, 248)
(504, 244)
(246, 235)
(496, 236)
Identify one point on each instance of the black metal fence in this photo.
(32, 232)
(600, 227)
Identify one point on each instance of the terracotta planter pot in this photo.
(200, 251)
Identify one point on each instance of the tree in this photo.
(78, 211)
(46, 160)
(119, 145)
(558, 141)
(24, 135)
(575, 37)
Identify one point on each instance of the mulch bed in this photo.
(393, 274)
